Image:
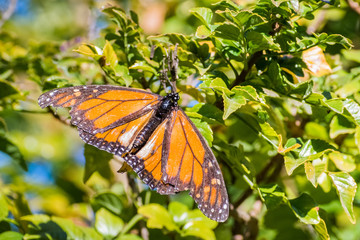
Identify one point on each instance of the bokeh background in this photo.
(53, 151)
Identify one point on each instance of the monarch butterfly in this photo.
(153, 135)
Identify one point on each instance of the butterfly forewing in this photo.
(99, 108)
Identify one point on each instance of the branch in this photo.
(253, 59)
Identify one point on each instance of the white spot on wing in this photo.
(126, 137)
(147, 149)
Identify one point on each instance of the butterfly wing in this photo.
(175, 158)
(108, 117)
(189, 164)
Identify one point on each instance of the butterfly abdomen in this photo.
(145, 133)
(165, 107)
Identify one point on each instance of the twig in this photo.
(9, 12)
(253, 59)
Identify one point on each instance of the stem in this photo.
(253, 59)
(131, 224)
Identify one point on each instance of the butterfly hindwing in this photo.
(191, 165)
(176, 158)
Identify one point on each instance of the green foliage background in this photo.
(287, 139)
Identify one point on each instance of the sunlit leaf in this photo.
(90, 51)
(232, 103)
(110, 55)
(313, 170)
(357, 137)
(353, 109)
(128, 237)
(321, 230)
(203, 14)
(343, 162)
(305, 209)
(346, 189)
(4, 211)
(11, 236)
(202, 32)
(340, 125)
(143, 66)
(107, 224)
(157, 217)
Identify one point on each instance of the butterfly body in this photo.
(152, 134)
(166, 105)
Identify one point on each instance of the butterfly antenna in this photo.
(173, 64)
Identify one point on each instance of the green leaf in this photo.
(316, 130)
(202, 32)
(205, 130)
(107, 224)
(206, 112)
(315, 148)
(90, 51)
(305, 209)
(203, 14)
(158, 217)
(8, 235)
(123, 75)
(249, 92)
(128, 237)
(340, 125)
(346, 189)
(228, 31)
(96, 161)
(220, 86)
(179, 212)
(259, 41)
(233, 103)
(343, 162)
(335, 104)
(338, 39)
(110, 55)
(353, 55)
(353, 109)
(75, 232)
(321, 230)
(109, 201)
(144, 66)
(198, 229)
(272, 195)
(198, 225)
(4, 211)
(313, 170)
(6, 89)
(357, 137)
(13, 151)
